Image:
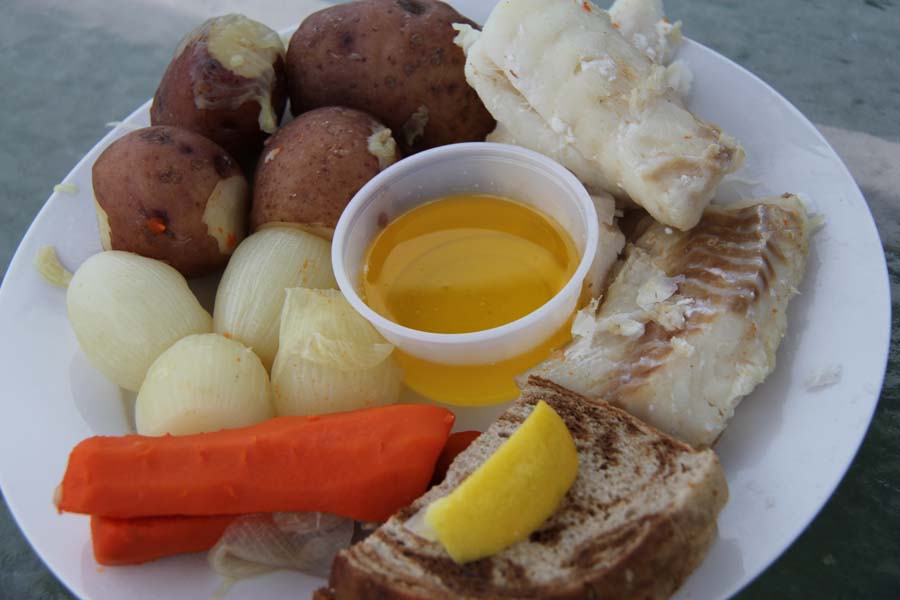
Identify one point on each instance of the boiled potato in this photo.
(171, 194)
(394, 59)
(227, 83)
(315, 164)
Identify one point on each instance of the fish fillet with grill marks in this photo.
(691, 320)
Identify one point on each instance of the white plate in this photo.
(784, 454)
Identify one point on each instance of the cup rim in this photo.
(347, 220)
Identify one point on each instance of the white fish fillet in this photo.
(644, 24)
(561, 80)
(610, 241)
(499, 95)
(691, 321)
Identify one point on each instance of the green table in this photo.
(68, 70)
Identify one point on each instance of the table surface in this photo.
(73, 65)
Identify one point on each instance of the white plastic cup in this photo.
(481, 168)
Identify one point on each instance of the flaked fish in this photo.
(692, 320)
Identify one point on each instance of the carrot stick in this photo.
(363, 464)
(456, 443)
(135, 541)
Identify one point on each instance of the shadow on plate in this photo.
(105, 407)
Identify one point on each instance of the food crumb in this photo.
(272, 154)
(823, 377)
(381, 145)
(65, 188)
(47, 264)
(414, 127)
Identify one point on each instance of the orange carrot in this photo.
(135, 541)
(456, 443)
(363, 464)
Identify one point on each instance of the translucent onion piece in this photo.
(126, 310)
(251, 293)
(203, 383)
(48, 266)
(256, 544)
(330, 358)
(321, 327)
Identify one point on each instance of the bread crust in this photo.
(672, 543)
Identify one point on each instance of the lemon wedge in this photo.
(512, 493)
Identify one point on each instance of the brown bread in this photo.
(637, 521)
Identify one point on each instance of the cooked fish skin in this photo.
(595, 93)
(692, 320)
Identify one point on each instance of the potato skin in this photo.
(389, 58)
(312, 167)
(154, 185)
(193, 72)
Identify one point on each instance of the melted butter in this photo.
(463, 264)
(466, 263)
(475, 385)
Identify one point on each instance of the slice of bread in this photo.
(638, 519)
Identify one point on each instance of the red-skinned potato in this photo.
(394, 59)
(313, 166)
(227, 83)
(173, 195)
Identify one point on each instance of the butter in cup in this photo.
(474, 368)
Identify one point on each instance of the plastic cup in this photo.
(482, 168)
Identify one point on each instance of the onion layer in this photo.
(127, 309)
(251, 293)
(330, 358)
(203, 383)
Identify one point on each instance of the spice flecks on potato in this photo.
(171, 194)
